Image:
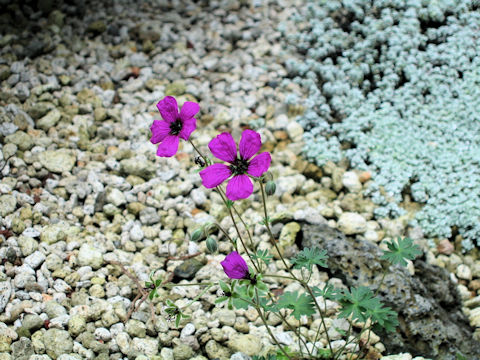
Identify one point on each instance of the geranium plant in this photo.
(246, 288)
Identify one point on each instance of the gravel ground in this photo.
(82, 187)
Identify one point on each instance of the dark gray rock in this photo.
(187, 269)
(429, 307)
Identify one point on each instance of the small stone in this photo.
(27, 245)
(188, 329)
(54, 309)
(337, 178)
(188, 269)
(115, 197)
(23, 140)
(139, 167)
(216, 351)
(49, 120)
(445, 247)
(352, 223)
(182, 352)
(147, 346)
(57, 161)
(90, 256)
(5, 293)
(100, 114)
(22, 349)
(248, 344)
(136, 328)
(464, 272)
(8, 203)
(136, 233)
(225, 316)
(32, 322)
(97, 27)
(52, 233)
(176, 88)
(57, 342)
(295, 131)
(289, 233)
(351, 181)
(35, 260)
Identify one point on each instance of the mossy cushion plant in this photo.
(398, 82)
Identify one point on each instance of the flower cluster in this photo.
(241, 166)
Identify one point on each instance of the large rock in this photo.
(57, 161)
(431, 320)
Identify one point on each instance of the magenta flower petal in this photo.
(168, 108)
(250, 143)
(239, 187)
(223, 147)
(235, 267)
(188, 126)
(189, 109)
(259, 164)
(214, 175)
(160, 129)
(168, 147)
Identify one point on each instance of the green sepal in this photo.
(224, 286)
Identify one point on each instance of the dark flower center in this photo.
(239, 166)
(176, 127)
(253, 279)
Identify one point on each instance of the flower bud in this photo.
(270, 188)
(212, 245)
(197, 234)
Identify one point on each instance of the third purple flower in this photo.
(224, 148)
(235, 267)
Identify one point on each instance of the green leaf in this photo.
(152, 294)
(241, 292)
(263, 255)
(177, 320)
(308, 257)
(229, 203)
(356, 303)
(383, 317)
(148, 284)
(260, 285)
(158, 282)
(400, 250)
(265, 221)
(328, 292)
(300, 304)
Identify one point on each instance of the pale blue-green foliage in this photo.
(399, 82)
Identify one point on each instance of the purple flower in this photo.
(235, 267)
(223, 147)
(173, 126)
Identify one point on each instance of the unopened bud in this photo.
(270, 188)
(197, 234)
(212, 245)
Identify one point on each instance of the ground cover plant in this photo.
(247, 286)
(394, 87)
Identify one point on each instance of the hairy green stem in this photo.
(304, 284)
(268, 328)
(220, 191)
